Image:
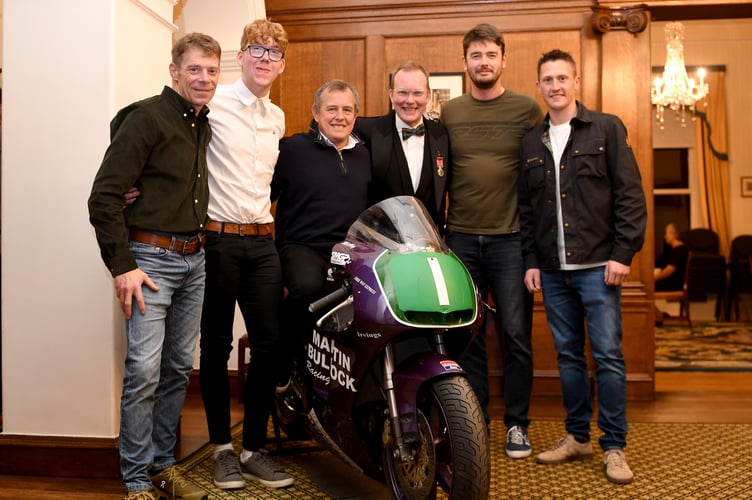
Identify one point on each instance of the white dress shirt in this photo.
(413, 148)
(242, 154)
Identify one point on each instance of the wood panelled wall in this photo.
(362, 44)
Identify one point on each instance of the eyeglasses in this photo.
(258, 51)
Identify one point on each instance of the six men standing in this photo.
(223, 213)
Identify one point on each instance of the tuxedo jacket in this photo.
(390, 172)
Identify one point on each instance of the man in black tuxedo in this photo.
(409, 153)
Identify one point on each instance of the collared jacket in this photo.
(602, 200)
(158, 145)
(319, 190)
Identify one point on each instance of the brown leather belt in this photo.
(240, 229)
(184, 245)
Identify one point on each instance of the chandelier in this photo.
(676, 90)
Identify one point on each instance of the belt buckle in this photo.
(193, 239)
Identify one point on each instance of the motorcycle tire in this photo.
(453, 449)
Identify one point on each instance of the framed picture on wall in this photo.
(444, 86)
(747, 187)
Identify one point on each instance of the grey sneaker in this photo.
(261, 468)
(616, 466)
(172, 485)
(227, 474)
(565, 450)
(518, 445)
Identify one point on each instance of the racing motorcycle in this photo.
(374, 383)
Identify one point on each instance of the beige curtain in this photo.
(711, 142)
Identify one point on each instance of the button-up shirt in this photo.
(242, 154)
(158, 145)
(413, 148)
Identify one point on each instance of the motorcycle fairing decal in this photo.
(329, 363)
(364, 285)
(340, 258)
(368, 335)
(438, 279)
(450, 365)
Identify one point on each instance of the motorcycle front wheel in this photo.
(452, 452)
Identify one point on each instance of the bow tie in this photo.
(409, 132)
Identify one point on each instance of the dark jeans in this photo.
(246, 270)
(304, 270)
(573, 299)
(495, 264)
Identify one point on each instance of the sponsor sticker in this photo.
(450, 366)
(340, 258)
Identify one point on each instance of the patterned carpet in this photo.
(670, 461)
(704, 347)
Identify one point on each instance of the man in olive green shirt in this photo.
(485, 129)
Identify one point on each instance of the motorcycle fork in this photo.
(391, 399)
(405, 452)
(438, 339)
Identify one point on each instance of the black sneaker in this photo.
(227, 474)
(518, 445)
(261, 468)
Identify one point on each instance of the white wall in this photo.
(68, 67)
(222, 19)
(72, 65)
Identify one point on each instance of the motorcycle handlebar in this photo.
(331, 299)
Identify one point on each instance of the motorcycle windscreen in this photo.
(400, 224)
(427, 289)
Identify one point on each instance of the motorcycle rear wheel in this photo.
(452, 452)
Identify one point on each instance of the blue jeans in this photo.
(161, 345)
(571, 298)
(495, 264)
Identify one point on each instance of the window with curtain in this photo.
(671, 192)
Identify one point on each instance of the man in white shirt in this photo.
(242, 264)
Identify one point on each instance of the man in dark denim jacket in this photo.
(583, 217)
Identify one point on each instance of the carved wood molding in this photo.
(633, 19)
(347, 19)
(155, 12)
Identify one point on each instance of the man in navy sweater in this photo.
(321, 186)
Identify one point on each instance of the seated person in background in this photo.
(669, 275)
